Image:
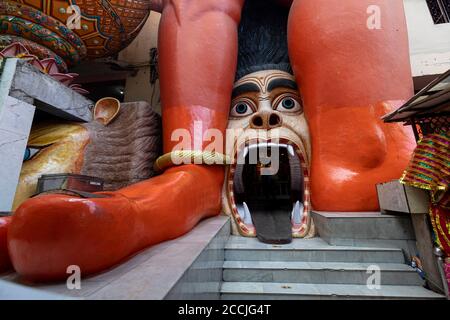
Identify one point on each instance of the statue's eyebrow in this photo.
(282, 83)
(245, 88)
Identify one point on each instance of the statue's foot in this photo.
(49, 233)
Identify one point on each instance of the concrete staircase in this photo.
(313, 269)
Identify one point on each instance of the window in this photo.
(440, 10)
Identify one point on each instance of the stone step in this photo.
(343, 226)
(318, 272)
(299, 291)
(363, 225)
(367, 229)
(307, 250)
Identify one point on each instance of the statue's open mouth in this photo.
(268, 190)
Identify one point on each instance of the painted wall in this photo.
(429, 42)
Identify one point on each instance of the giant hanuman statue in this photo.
(321, 82)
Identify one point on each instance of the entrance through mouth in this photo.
(269, 194)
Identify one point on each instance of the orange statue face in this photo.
(267, 117)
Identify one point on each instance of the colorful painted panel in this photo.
(100, 27)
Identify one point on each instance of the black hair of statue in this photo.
(262, 38)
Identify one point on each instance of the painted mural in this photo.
(69, 31)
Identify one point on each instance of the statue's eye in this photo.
(241, 109)
(30, 152)
(288, 104)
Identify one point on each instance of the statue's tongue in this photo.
(272, 223)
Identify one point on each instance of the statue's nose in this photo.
(267, 120)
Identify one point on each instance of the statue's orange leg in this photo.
(198, 52)
(350, 75)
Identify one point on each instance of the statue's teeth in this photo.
(291, 150)
(248, 217)
(297, 212)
